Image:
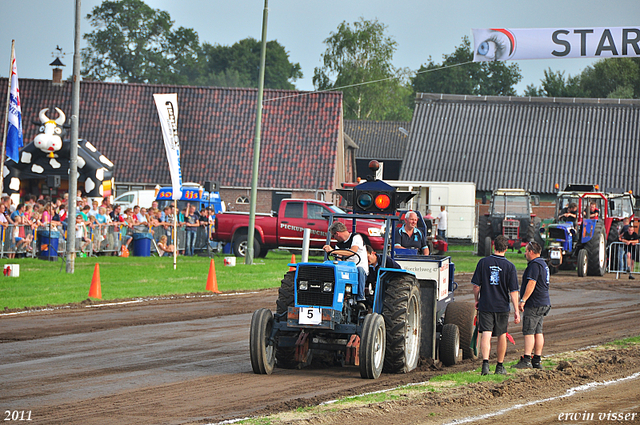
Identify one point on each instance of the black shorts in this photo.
(496, 323)
(532, 319)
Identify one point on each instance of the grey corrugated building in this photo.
(532, 143)
(384, 141)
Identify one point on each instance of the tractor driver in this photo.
(594, 212)
(410, 237)
(569, 213)
(355, 243)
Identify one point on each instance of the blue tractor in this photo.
(409, 312)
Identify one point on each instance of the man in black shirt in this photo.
(630, 238)
(495, 283)
(375, 262)
(534, 304)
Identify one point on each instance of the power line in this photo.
(362, 84)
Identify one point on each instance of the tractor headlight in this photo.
(327, 286)
(303, 285)
(376, 231)
(347, 289)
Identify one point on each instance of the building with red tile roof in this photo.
(302, 145)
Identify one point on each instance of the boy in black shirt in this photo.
(630, 238)
(495, 283)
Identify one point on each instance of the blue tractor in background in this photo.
(409, 312)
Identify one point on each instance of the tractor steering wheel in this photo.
(345, 253)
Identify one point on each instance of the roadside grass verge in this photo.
(43, 283)
(438, 384)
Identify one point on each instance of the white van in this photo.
(142, 198)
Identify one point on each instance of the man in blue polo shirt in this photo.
(535, 304)
(410, 237)
(495, 283)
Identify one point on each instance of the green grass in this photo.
(44, 283)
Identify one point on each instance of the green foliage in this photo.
(617, 78)
(358, 62)
(134, 43)
(238, 65)
(458, 74)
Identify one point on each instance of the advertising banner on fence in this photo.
(548, 43)
(167, 105)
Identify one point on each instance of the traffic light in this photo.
(377, 197)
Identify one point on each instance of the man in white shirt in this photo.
(442, 224)
(355, 243)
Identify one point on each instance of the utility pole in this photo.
(73, 150)
(256, 142)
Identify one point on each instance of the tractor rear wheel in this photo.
(372, 346)
(401, 312)
(597, 251)
(582, 262)
(463, 314)
(285, 356)
(262, 353)
(449, 344)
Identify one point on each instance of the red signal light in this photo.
(383, 201)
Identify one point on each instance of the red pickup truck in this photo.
(285, 228)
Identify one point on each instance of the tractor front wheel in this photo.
(372, 346)
(582, 262)
(262, 353)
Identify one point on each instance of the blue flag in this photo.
(14, 134)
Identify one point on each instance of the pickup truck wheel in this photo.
(262, 352)
(372, 346)
(463, 314)
(285, 356)
(449, 344)
(240, 246)
(401, 312)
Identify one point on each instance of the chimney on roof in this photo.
(57, 63)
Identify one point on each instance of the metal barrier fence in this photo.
(623, 258)
(99, 239)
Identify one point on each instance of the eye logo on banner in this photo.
(548, 43)
(496, 44)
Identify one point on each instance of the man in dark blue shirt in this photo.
(410, 237)
(535, 304)
(495, 283)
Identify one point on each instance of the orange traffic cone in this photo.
(95, 291)
(293, 260)
(212, 282)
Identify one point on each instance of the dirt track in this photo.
(187, 361)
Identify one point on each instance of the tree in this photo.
(617, 78)
(357, 61)
(238, 65)
(458, 74)
(135, 43)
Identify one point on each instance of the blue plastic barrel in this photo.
(142, 244)
(48, 245)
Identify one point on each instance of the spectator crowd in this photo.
(101, 228)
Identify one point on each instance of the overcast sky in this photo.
(421, 28)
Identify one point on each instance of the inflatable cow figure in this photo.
(50, 138)
(49, 154)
